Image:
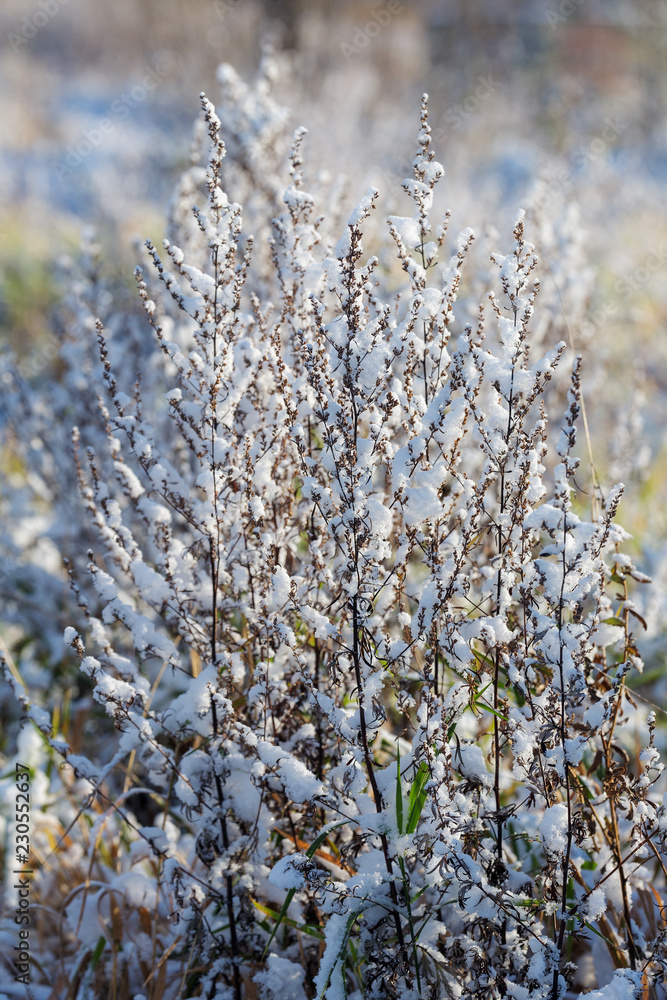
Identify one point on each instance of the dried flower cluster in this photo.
(364, 651)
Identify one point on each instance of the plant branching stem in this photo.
(563, 737)
(377, 796)
(236, 978)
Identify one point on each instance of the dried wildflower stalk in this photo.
(388, 745)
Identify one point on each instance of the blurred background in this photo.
(540, 104)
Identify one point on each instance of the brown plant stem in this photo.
(377, 797)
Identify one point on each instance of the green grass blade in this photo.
(342, 950)
(399, 791)
(97, 954)
(413, 940)
(319, 840)
(310, 929)
(316, 844)
(417, 797)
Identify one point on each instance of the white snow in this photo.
(285, 873)
(280, 589)
(282, 979)
(553, 829)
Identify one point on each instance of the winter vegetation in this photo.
(335, 695)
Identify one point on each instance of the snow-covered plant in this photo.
(365, 653)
